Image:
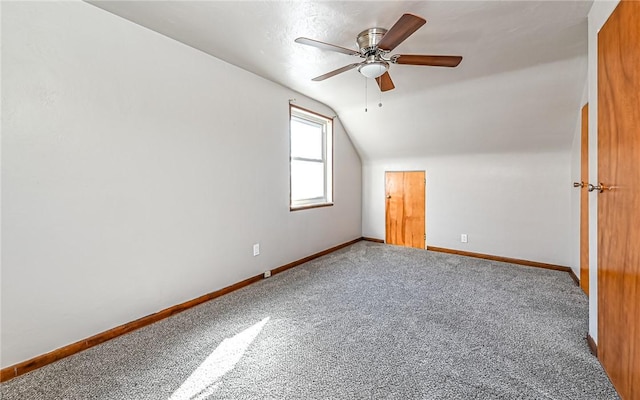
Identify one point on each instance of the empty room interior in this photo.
(320, 200)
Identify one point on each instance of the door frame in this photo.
(584, 200)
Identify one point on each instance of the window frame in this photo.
(313, 118)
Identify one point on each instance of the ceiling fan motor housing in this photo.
(368, 40)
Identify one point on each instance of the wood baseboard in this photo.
(313, 256)
(68, 350)
(501, 259)
(593, 347)
(369, 239)
(574, 277)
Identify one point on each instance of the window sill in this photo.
(309, 206)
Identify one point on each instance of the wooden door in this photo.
(619, 208)
(584, 201)
(405, 208)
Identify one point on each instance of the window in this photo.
(310, 159)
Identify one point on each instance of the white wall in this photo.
(137, 173)
(511, 205)
(600, 12)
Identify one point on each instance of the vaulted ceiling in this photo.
(517, 89)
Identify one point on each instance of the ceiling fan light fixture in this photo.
(373, 69)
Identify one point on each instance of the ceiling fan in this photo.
(374, 44)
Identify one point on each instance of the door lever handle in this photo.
(578, 184)
(600, 188)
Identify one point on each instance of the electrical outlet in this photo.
(256, 249)
(267, 274)
(463, 238)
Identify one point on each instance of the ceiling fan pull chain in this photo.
(380, 104)
(365, 94)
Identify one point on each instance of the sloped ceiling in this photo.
(517, 89)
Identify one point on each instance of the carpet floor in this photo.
(370, 321)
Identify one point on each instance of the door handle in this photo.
(388, 196)
(578, 184)
(600, 188)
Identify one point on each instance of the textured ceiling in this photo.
(517, 89)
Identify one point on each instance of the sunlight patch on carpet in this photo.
(206, 378)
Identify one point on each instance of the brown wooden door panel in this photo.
(619, 209)
(405, 208)
(584, 201)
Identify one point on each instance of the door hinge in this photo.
(425, 237)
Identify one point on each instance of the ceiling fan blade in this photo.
(384, 82)
(326, 46)
(434, 61)
(335, 72)
(403, 28)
